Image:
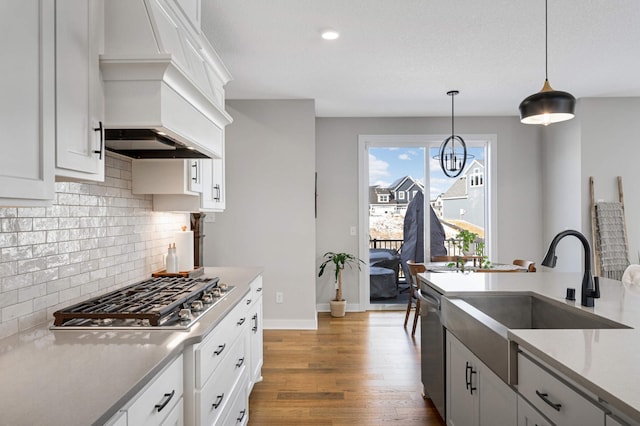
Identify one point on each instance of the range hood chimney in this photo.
(163, 82)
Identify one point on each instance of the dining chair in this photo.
(414, 270)
(529, 265)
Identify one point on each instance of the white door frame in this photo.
(422, 141)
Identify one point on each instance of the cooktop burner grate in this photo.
(153, 302)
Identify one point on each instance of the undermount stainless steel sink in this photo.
(526, 311)
(482, 322)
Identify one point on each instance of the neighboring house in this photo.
(465, 198)
(395, 198)
(436, 205)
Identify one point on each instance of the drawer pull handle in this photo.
(255, 326)
(468, 375)
(241, 321)
(242, 413)
(545, 398)
(194, 177)
(240, 362)
(259, 289)
(248, 301)
(220, 349)
(219, 399)
(165, 400)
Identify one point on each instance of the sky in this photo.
(389, 164)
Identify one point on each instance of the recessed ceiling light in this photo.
(330, 34)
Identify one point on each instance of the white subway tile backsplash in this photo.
(31, 320)
(15, 282)
(16, 224)
(9, 212)
(8, 269)
(19, 309)
(8, 240)
(32, 292)
(48, 223)
(31, 265)
(61, 235)
(31, 211)
(45, 275)
(10, 253)
(95, 238)
(41, 250)
(8, 298)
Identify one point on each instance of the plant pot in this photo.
(338, 307)
(471, 251)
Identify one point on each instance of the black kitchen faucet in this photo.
(590, 287)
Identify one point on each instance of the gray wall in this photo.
(602, 141)
(519, 193)
(269, 219)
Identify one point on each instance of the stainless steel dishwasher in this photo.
(432, 347)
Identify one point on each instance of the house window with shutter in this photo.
(401, 195)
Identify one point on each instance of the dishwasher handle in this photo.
(429, 299)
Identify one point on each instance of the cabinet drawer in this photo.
(157, 401)
(528, 416)
(217, 344)
(213, 400)
(256, 291)
(558, 401)
(238, 412)
(176, 416)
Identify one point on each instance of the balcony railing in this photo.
(451, 244)
(385, 244)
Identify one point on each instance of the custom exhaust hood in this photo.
(163, 82)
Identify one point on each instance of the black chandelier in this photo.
(453, 151)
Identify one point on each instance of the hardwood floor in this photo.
(363, 369)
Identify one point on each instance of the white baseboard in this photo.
(290, 324)
(351, 307)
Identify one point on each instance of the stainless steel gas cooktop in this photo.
(173, 303)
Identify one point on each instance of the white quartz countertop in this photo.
(605, 361)
(71, 377)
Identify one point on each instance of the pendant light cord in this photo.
(452, 95)
(546, 43)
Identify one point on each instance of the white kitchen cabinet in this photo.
(475, 395)
(219, 369)
(212, 198)
(528, 416)
(79, 115)
(557, 400)
(255, 333)
(160, 402)
(166, 176)
(27, 104)
(213, 194)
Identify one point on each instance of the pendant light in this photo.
(548, 105)
(453, 151)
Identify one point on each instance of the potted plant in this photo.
(465, 240)
(339, 261)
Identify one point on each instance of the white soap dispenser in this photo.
(172, 260)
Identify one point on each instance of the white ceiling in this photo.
(400, 57)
